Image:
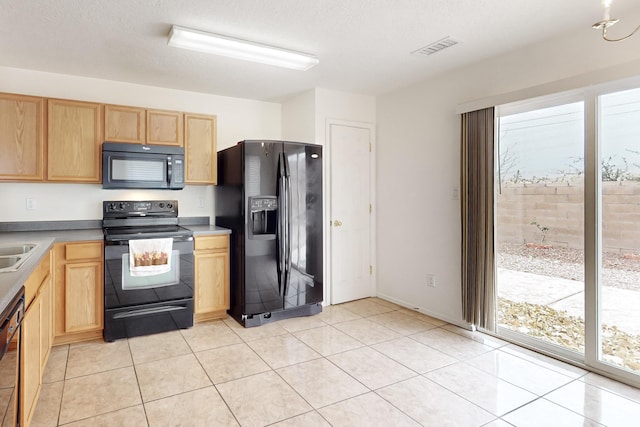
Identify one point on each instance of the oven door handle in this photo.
(125, 240)
(147, 311)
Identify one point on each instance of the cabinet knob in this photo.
(337, 222)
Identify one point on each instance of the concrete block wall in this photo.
(560, 208)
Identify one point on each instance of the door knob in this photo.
(337, 223)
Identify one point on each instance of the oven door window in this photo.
(172, 277)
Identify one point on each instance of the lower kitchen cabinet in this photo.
(79, 291)
(30, 371)
(211, 262)
(36, 339)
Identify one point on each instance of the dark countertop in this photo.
(57, 235)
(204, 230)
(64, 231)
(12, 281)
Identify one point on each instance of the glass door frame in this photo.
(592, 233)
(548, 101)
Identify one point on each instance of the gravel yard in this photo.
(543, 322)
(620, 270)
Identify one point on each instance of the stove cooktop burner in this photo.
(127, 220)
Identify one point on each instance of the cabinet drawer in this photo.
(88, 250)
(211, 243)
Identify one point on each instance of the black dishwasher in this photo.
(10, 334)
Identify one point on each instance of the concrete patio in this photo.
(619, 306)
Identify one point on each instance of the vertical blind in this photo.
(477, 204)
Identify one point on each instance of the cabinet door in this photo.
(21, 138)
(124, 124)
(83, 297)
(211, 282)
(165, 128)
(46, 321)
(74, 138)
(30, 368)
(200, 149)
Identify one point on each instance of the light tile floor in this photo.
(364, 363)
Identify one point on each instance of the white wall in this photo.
(237, 119)
(337, 105)
(418, 159)
(305, 115)
(298, 117)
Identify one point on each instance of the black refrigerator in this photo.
(269, 194)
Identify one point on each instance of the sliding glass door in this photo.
(539, 227)
(568, 227)
(618, 287)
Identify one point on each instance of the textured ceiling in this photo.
(363, 45)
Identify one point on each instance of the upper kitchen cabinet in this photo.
(142, 126)
(165, 128)
(200, 149)
(74, 140)
(124, 124)
(21, 138)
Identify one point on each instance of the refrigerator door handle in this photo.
(287, 237)
(281, 226)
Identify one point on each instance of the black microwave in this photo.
(142, 166)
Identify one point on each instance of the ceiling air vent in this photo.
(434, 47)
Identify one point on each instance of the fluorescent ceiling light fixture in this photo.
(239, 49)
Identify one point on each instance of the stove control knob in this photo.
(169, 206)
(111, 207)
(121, 206)
(161, 205)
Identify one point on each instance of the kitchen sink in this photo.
(8, 261)
(13, 256)
(16, 249)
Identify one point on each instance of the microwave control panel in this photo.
(125, 207)
(178, 171)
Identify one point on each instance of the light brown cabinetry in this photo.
(74, 138)
(165, 127)
(200, 149)
(60, 140)
(211, 263)
(124, 124)
(21, 138)
(36, 337)
(78, 293)
(46, 321)
(141, 126)
(30, 380)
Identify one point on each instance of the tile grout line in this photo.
(401, 335)
(135, 372)
(215, 387)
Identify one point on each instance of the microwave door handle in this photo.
(169, 172)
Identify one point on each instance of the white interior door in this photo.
(350, 212)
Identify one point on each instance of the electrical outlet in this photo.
(455, 193)
(31, 204)
(431, 280)
(201, 202)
